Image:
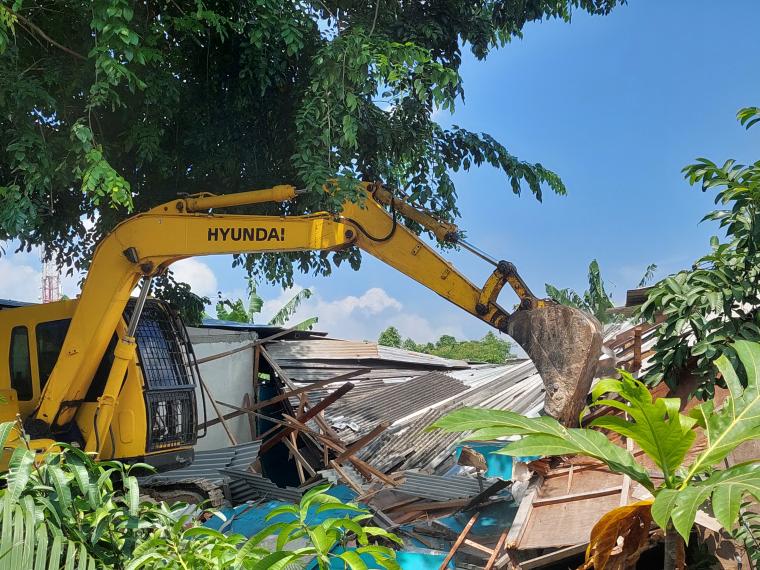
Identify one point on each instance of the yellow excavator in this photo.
(117, 374)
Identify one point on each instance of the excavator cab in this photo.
(155, 420)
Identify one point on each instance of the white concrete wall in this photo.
(228, 378)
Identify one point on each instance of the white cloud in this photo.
(373, 302)
(420, 329)
(19, 280)
(198, 275)
(362, 317)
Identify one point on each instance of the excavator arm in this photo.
(564, 343)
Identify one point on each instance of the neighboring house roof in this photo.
(11, 304)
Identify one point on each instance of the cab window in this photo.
(20, 365)
(50, 337)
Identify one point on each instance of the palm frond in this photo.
(283, 315)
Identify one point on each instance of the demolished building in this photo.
(287, 410)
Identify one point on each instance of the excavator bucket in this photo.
(565, 345)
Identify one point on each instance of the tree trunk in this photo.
(675, 550)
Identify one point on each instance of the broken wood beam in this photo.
(325, 427)
(460, 539)
(292, 444)
(343, 475)
(487, 492)
(313, 411)
(218, 411)
(225, 353)
(251, 418)
(363, 441)
(290, 394)
(497, 550)
(276, 367)
(432, 506)
(478, 546)
(577, 496)
(362, 466)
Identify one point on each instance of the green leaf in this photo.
(466, 419)
(269, 561)
(20, 465)
(656, 426)
(739, 420)
(353, 560)
(544, 436)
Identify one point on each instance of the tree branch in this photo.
(36, 29)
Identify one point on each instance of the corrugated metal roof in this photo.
(329, 349)
(437, 488)
(392, 403)
(209, 464)
(408, 445)
(259, 487)
(11, 304)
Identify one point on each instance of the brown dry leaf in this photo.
(629, 524)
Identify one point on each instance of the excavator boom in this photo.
(564, 343)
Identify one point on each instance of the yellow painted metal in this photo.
(202, 202)
(123, 353)
(444, 231)
(159, 240)
(130, 401)
(148, 243)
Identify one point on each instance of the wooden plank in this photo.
(478, 546)
(460, 539)
(276, 367)
(290, 443)
(257, 406)
(218, 412)
(522, 516)
(255, 382)
(485, 493)
(301, 458)
(577, 496)
(433, 506)
(226, 353)
(569, 479)
(363, 441)
(553, 557)
(497, 550)
(251, 418)
(395, 505)
(362, 466)
(325, 427)
(343, 475)
(313, 411)
(636, 364)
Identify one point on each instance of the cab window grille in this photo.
(169, 377)
(162, 359)
(172, 418)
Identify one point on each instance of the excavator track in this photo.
(190, 491)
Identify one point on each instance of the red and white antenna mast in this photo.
(51, 282)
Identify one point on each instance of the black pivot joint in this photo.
(506, 268)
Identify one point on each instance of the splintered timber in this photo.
(246, 234)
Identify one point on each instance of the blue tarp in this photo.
(498, 465)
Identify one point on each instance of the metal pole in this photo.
(139, 305)
(477, 251)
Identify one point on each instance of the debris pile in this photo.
(357, 415)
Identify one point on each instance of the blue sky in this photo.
(616, 105)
